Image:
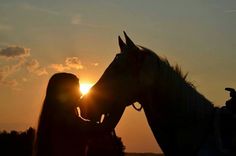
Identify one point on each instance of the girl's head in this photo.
(63, 91)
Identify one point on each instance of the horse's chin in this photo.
(91, 116)
(95, 118)
(83, 115)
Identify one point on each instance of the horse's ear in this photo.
(129, 42)
(121, 44)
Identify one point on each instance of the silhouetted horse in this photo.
(182, 120)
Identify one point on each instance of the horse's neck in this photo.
(178, 115)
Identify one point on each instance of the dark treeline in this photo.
(21, 144)
(143, 154)
(17, 143)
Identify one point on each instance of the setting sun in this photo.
(85, 87)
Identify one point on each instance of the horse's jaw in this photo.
(111, 119)
(87, 111)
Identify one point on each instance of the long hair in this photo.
(59, 92)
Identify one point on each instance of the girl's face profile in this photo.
(75, 94)
(69, 94)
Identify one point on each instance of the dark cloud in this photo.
(14, 52)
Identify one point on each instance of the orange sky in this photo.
(39, 38)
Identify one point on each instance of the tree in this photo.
(17, 143)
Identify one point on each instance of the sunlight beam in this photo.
(85, 87)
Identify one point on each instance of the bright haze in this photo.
(85, 87)
(39, 38)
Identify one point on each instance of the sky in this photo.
(39, 38)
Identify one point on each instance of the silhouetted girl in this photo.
(60, 131)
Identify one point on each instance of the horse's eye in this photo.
(117, 56)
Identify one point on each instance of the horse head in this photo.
(118, 87)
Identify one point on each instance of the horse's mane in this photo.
(174, 74)
(176, 68)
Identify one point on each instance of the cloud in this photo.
(4, 72)
(230, 11)
(95, 64)
(7, 71)
(4, 27)
(59, 67)
(41, 71)
(74, 62)
(76, 20)
(24, 79)
(33, 66)
(18, 59)
(3, 44)
(70, 63)
(29, 7)
(12, 52)
(11, 83)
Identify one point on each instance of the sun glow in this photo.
(85, 87)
